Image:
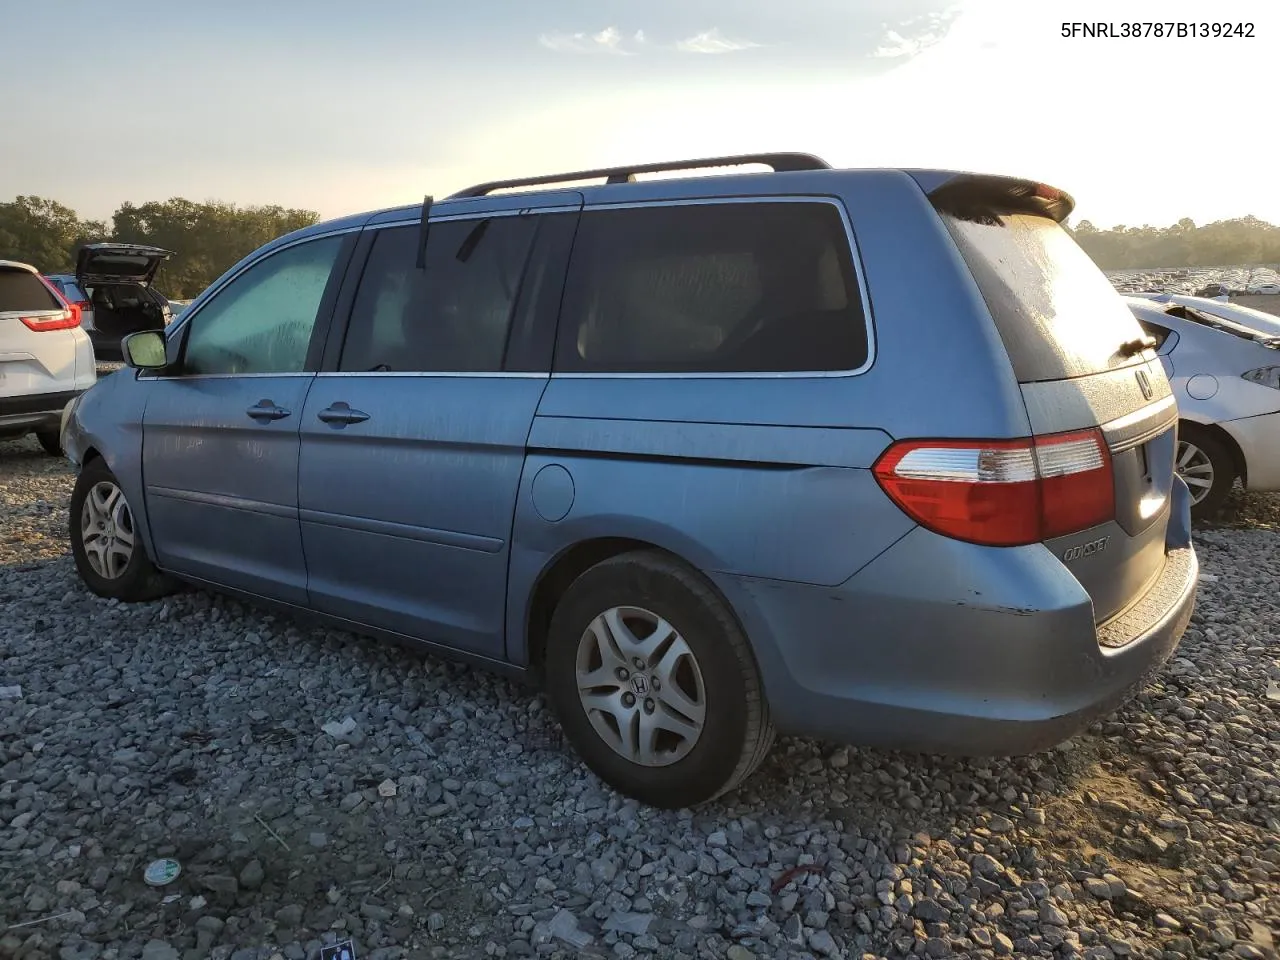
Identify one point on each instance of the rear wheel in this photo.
(1205, 464)
(654, 682)
(51, 441)
(108, 552)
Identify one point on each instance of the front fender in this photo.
(107, 421)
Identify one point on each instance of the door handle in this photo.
(267, 410)
(339, 415)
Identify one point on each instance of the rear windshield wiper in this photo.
(1132, 348)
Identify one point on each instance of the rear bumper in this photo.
(1259, 441)
(38, 411)
(943, 647)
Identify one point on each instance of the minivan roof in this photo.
(793, 173)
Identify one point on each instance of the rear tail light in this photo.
(1002, 492)
(1265, 376)
(69, 318)
(70, 313)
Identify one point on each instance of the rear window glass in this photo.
(118, 265)
(20, 290)
(714, 288)
(1057, 314)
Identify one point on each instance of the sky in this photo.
(341, 107)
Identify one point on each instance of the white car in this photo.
(46, 359)
(1220, 308)
(1224, 366)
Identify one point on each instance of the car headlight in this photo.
(1266, 376)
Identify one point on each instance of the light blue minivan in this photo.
(871, 455)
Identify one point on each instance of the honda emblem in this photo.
(1144, 384)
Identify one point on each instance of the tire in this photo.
(638, 593)
(51, 441)
(1203, 457)
(105, 569)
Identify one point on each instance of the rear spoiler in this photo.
(972, 196)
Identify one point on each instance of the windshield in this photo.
(1225, 324)
(1244, 318)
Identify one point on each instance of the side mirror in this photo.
(144, 350)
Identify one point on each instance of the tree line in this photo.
(1245, 241)
(206, 238)
(209, 237)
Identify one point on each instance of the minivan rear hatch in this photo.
(1082, 361)
(119, 262)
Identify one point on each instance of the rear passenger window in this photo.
(452, 317)
(712, 288)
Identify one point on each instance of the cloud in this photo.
(712, 41)
(915, 36)
(608, 40)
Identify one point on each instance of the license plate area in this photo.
(1143, 480)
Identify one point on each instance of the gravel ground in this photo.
(450, 819)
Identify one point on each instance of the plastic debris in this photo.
(162, 872)
(342, 950)
(11, 693)
(340, 728)
(564, 926)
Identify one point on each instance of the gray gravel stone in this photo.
(193, 727)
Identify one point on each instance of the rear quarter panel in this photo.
(1207, 375)
(784, 516)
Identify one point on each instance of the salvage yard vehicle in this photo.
(45, 358)
(1224, 365)
(113, 285)
(702, 454)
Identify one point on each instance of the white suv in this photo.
(46, 360)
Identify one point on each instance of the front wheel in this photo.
(654, 682)
(1207, 467)
(108, 552)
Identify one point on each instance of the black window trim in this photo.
(176, 333)
(854, 251)
(345, 301)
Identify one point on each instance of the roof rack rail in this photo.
(780, 162)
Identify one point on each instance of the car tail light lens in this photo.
(1266, 376)
(69, 318)
(1002, 492)
(70, 313)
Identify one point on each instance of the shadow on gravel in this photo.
(1246, 511)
